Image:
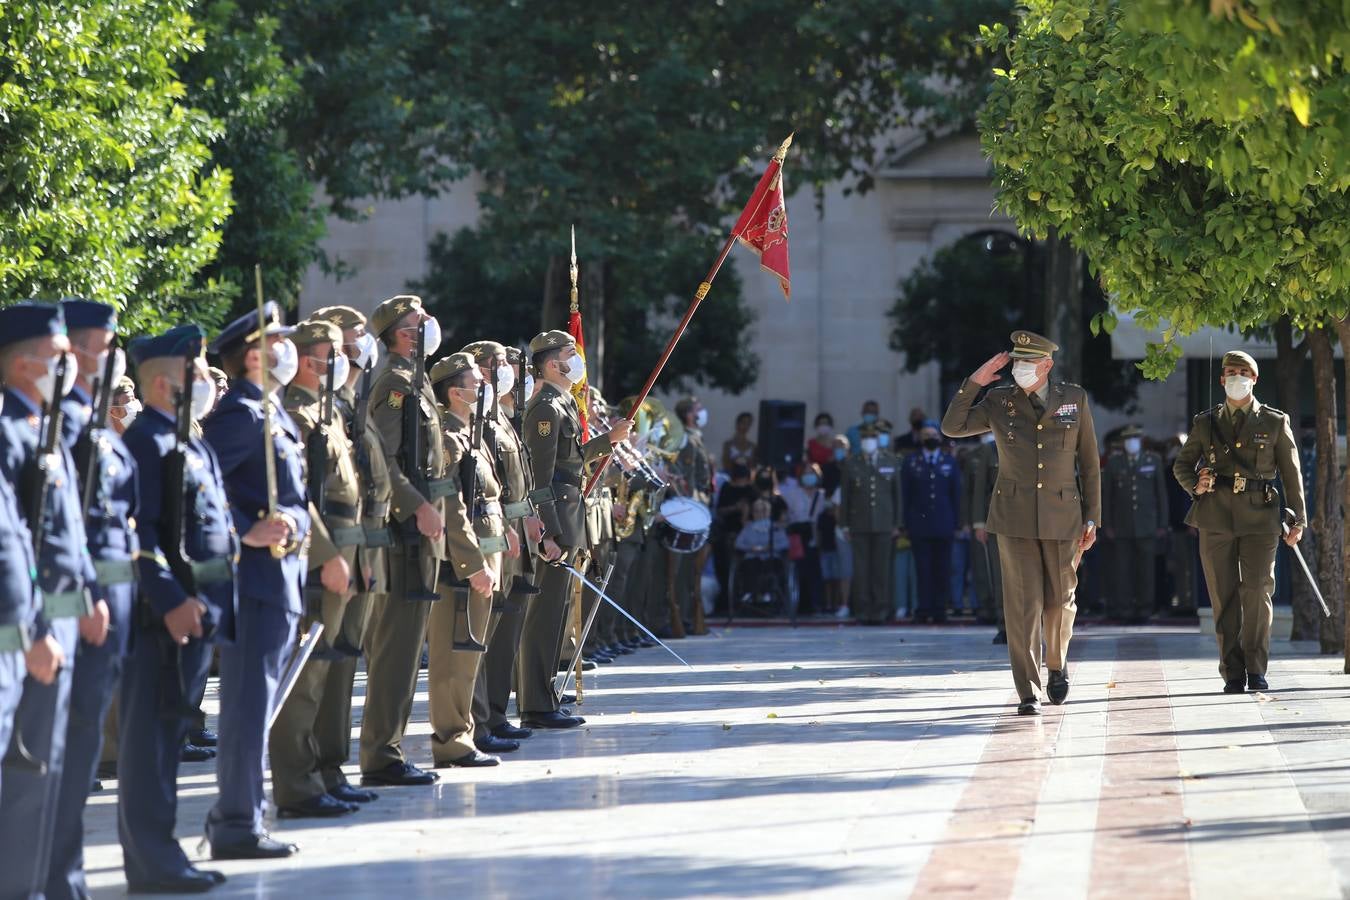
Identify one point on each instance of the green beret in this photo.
(1030, 345)
(343, 317)
(1238, 358)
(317, 331)
(451, 366)
(550, 340)
(484, 351)
(391, 310)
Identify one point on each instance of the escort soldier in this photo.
(398, 624)
(33, 458)
(1134, 518)
(981, 471)
(271, 571)
(370, 576)
(1229, 465)
(557, 456)
(475, 533)
(1046, 504)
(110, 526)
(185, 605)
(930, 483)
(334, 489)
(493, 733)
(694, 478)
(870, 511)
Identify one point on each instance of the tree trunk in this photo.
(1337, 602)
(1064, 305)
(1325, 515)
(556, 287)
(1289, 358)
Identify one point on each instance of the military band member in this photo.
(1046, 504)
(32, 342)
(693, 467)
(1134, 518)
(981, 472)
(398, 624)
(1229, 465)
(271, 572)
(298, 787)
(870, 515)
(553, 436)
(110, 527)
(179, 618)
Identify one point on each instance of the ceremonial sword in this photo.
(623, 612)
(290, 673)
(585, 632)
(1303, 563)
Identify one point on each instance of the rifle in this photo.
(86, 448)
(413, 468)
(316, 448)
(469, 479)
(38, 475)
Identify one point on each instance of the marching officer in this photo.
(1046, 504)
(930, 483)
(32, 343)
(184, 608)
(870, 512)
(557, 456)
(298, 787)
(398, 623)
(1134, 518)
(271, 571)
(110, 527)
(1229, 465)
(370, 575)
(981, 472)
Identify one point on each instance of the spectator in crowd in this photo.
(871, 411)
(931, 490)
(820, 446)
(763, 544)
(739, 448)
(766, 488)
(1134, 518)
(884, 429)
(806, 502)
(834, 469)
(732, 509)
(908, 443)
(124, 408)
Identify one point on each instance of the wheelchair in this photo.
(761, 588)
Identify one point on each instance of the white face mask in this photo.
(432, 335)
(1133, 446)
(130, 412)
(1238, 387)
(285, 362)
(47, 379)
(506, 379)
(869, 445)
(342, 367)
(203, 398)
(489, 397)
(529, 386)
(701, 418)
(576, 369)
(368, 351)
(1024, 373)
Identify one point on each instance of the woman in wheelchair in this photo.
(762, 550)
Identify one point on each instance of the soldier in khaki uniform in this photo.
(1046, 504)
(870, 513)
(370, 575)
(335, 507)
(1134, 517)
(693, 471)
(557, 457)
(1229, 465)
(981, 471)
(475, 535)
(398, 624)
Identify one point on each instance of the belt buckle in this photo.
(1239, 483)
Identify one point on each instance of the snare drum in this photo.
(686, 526)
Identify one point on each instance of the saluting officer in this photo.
(110, 527)
(32, 341)
(870, 512)
(1134, 517)
(370, 576)
(981, 472)
(271, 572)
(557, 456)
(398, 623)
(1229, 465)
(1047, 501)
(180, 613)
(298, 787)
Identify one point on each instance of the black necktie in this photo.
(1037, 405)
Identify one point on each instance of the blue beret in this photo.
(183, 340)
(245, 329)
(30, 319)
(82, 313)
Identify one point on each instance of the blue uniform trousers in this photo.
(28, 805)
(250, 669)
(933, 566)
(159, 683)
(12, 673)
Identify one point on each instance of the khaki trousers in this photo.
(452, 674)
(1240, 574)
(1039, 582)
(333, 728)
(546, 620)
(291, 744)
(873, 575)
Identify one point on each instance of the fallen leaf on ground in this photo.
(773, 715)
(726, 727)
(796, 668)
(1185, 823)
(1110, 684)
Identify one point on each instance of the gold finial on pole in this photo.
(781, 154)
(572, 270)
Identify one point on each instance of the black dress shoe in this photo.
(262, 847)
(620, 649)
(567, 711)
(323, 806)
(567, 698)
(474, 759)
(203, 737)
(647, 643)
(511, 732)
(587, 665)
(549, 720)
(1029, 707)
(107, 770)
(193, 753)
(489, 744)
(216, 877)
(350, 793)
(399, 774)
(1001, 637)
(1257, 683)
(1235, 686)
(603, 659)
(1057, 689)
(189, 881)
(96, 787)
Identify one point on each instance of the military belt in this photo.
(562, 476)
(379, 537)
(1241, 484)
(541, 495)
(376, 510)
(515, 511)
(114, 571)
(492, 543)
(440, 488)
(66, 604)
(341, 510)
(348, 536)
(211, 571)
(14, 637)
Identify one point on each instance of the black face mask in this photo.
(931, 443)
(764, 485)
(916, 424)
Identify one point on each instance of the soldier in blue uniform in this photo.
(180, 615)
(269, 588)
(32, 342)
(101, 455)
(930, 484)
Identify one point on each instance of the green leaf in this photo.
(1300, 103)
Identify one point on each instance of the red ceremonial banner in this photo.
(580, 390)
(763, 225)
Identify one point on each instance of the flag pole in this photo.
(703, 288)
